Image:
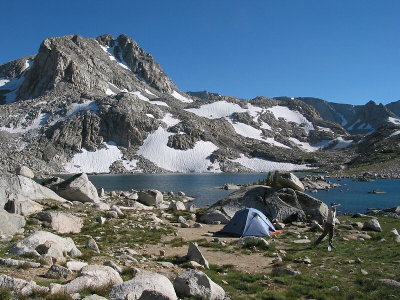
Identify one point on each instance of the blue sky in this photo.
(344, 51)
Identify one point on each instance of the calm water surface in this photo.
(353, 195)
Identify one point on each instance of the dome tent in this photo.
(249, 221)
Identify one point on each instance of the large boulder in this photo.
(77, 188)
(196, 284)
(194, 254)
(282, 204)
(142, 286)
(23, 207)
(20, 287)
(11, 224)
(91, 276)
(61, 222)
(372, 225)
(289, 180)
(150, 197)
(25, 171)
(19, 188)
(47, 243)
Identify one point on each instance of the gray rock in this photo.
(144, 283)
(283, 204)
(101, 220)
(101, 206)
(11, 224)
(77, 188)
(101, 192)
(212, 215)
(182, 220)
(18, 263)
(150, 197)
(113, 265)
(61, 222)
(94, 297)
(20, 286)
(390, 282)
(91, 244)
(112, 214)
(253, 240)
(91, 276)
(117, 210)
(195, 255)
(58, 272)
(25, 171)
(76, 265)
(58, 245)
(17, 187)
(372, 225)
(177, 205)
(22, 206)
(196, 284)
(290, 180)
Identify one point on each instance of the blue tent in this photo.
(249, 221)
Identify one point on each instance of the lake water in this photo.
(353, 195)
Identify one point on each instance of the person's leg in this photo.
(331, 235)
(321, 237)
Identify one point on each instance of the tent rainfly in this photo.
(249, 221)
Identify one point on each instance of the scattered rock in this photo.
(25, 171)
(61, 222)
(196, 284)
(195, 265)
(76, 266)
(182, 220)
(143, 285)
(18, 263)
(390, 282)
(304, 260)
(77, 188)
(289, 180)
(253, 241)
(11, 224)
(357, 236)
(112, 214)
(20, 286)
(288, 271)
(113, 265)
(91, 276)
(58, 272)
(150, 197)
(373, 225)
(94, 297)
(91, 244)
(214, 215)
(302, 241)
(177, 206)
(195, 255)
(101, 220)
(57, 245)
(101, 206)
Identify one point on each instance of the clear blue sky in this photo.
(340, 50)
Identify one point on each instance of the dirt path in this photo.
(252, 263)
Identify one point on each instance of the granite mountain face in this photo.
(105, 105)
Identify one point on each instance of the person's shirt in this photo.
(331, 216)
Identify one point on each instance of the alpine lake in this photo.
(354, 196)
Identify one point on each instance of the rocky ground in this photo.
(150, 245)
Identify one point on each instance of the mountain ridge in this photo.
(105, 105)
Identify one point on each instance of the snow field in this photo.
(98, 161)
(36, 123)
(263, 165)
(180, 97)
(291, 116)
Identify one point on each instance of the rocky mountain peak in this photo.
(101, 65)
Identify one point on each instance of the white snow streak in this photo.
(263, 165)
(341, 143)
(394, 120)
(304, 145)
(275, 143)
(143, 98)
(291, 116)
(180, 97)
(109, 92)
(216, 110)
(97, 161)
(247, 130)
(40, 121)
(397, 132)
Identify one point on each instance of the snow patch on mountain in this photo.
(263, 165)
(144, 98)
(12, 85)
(397, 132)
(180, 97)
(170, 120)
(37, 123)
(291, 116)
(394, 120)
(272, 141)
(192, 160)
(247, 130)
(341, 143)
(216, 110)
(304, 145)
(110, 52)
(98, 161)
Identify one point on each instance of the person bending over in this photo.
(329, 225)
